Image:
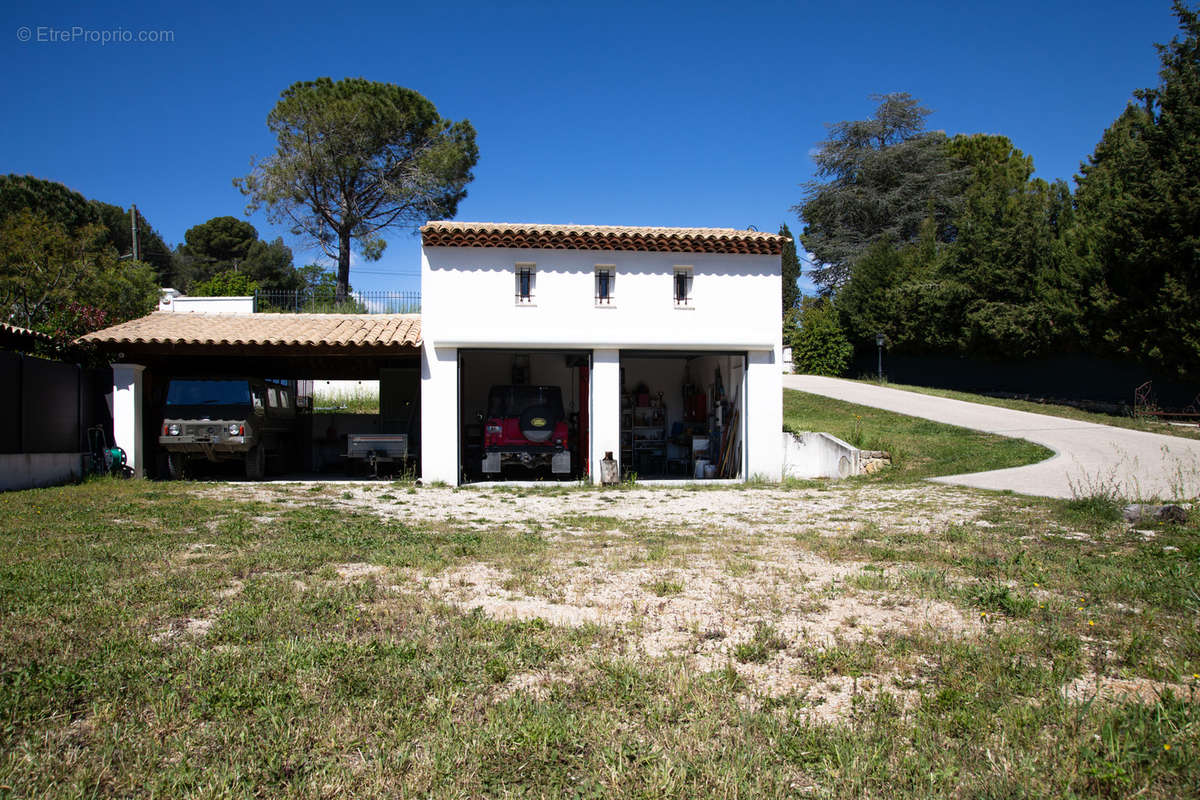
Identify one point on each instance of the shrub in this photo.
(226, 284)
(819, 345)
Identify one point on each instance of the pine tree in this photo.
(790, 272)
(1139, 202)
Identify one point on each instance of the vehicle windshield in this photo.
(512, 401)
(208, 393)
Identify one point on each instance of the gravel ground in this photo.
(695, 574)
(706, 577)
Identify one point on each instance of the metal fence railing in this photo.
(325, 301)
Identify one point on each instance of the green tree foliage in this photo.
(978, 257)
(909, 294)
(221, 240)
(71, 209)
(790, 264)
(819, 346)
(1012, 254)
(986, 267)
(317, 280)
(60, 268)
(355, 158)
(224, 244)
(49, 199)
(46, 267)
(877, 180)
(152, 249)
(270, 265)
(865, 302)
(1139, 207)
(226, 284)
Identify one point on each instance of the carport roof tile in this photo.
(350, 331)
(449, 233)
(23, 336)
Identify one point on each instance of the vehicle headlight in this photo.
(173, 429)
(234, 429)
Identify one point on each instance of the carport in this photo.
(149, 351)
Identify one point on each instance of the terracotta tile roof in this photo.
(11, 334)
(337, 331)
(448, 233)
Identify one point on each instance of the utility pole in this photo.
(133, 216)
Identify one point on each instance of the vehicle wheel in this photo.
(176, 466)
(256, 463)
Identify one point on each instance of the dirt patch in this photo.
(232, 590)
(187, 627)
(699, 508)
(686, 574)
(835, 698)
(710, 617)
(538, 684)
(1104, 689)
(356, 570)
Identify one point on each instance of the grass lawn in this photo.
(1053, 410)
(920, 448)
(358, 400)
(879, 637)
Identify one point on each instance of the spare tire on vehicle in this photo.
(537, 423)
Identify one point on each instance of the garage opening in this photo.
(294, 418)
(523, 415)
(682, 415)
(368, 427)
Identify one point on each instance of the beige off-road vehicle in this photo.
(227, 419)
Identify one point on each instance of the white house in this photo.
(665, 343)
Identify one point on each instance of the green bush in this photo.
(226, 284)
(819, 345)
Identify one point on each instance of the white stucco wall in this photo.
(469, 301)
(606, 406)
(183, 304)
(439, 413)
(764, 417)
(818, 455)
(127, 409)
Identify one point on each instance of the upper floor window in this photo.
(606, 275)
(526, 276)
(683, 287)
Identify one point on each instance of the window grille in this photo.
(604, 286)
(525, 283)
(683, 287)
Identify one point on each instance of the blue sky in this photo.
(637, 114)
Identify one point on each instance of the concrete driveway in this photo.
(1088, 457)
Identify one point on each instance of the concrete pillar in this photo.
(764, 415)
(606, 408)
(128, 409)
(439, 414)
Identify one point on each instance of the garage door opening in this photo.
(523, 415)
(682, 415)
